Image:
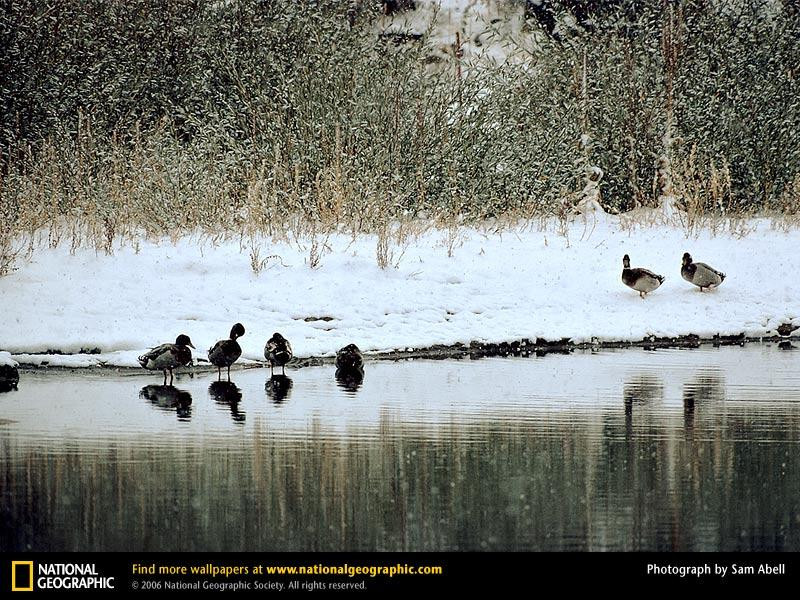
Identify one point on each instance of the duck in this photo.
(641, 280)
(168, 356)
(278, 352)
(700, 274)
(786, 329)
(349, 360)
(226, 352)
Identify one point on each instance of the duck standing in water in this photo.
(278, 352)
(349, 360)
(641, 280)
(226, 352)
(700, 274)
(349, 368)
(168, 356)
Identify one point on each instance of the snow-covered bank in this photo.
(7, 361)
(495, 287)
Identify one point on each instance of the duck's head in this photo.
(626, 262)
(278, 337)
(237, 331)
(183, 340)
(351, 349)
(687, 259)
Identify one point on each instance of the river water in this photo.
(594, 450)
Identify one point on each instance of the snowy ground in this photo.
(6, 360)
(488, 31)
(518, 284)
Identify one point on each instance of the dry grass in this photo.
(344, 136)
(88, 198)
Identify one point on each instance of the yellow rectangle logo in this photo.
(19, 564)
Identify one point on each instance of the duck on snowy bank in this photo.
(786, 329)
(168, 356)
(641, 280)
(226, 352)
(700, 274)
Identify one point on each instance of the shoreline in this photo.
(503, 293)
(473, 351)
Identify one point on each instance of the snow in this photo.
(590, 197)
(6, 360)
(496, 286)
(487, 31)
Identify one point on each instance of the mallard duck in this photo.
(349, 360)
(786, 329)
(700, 274)
(641, 280)
(278, 352)
(226, 352)
(168, 356)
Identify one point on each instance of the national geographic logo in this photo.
(57, 576)
(21, 575)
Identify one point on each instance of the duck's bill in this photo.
(190, 346)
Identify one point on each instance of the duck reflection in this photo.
(169, 398)
(786, 345)
(703, 388)
(640, 390)
(350, 381)
(225, 393)
(278, 388)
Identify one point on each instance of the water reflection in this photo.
(169, 398)
(522, 488)
(349, 380)
(7, 386)
(278, 388)
(496, 454)
(9, 378)
(225, 393)
(640, 390)
(786, 345)
(704, 387)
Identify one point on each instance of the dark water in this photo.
(614, 450)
